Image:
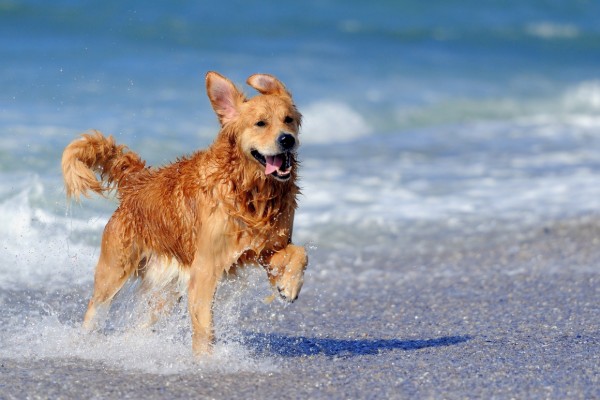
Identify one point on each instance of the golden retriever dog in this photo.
(203, 216)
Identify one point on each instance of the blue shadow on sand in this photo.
(298, 346)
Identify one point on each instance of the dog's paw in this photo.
(289, 286)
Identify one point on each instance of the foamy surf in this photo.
(332, 122)
(50, 329)
(37, 241)
(141, 350)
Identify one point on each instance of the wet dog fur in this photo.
(203, 216)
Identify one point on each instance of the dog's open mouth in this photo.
(279, 165)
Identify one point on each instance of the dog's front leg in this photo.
(286, 270)
(201, 290)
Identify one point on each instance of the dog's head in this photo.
(266, 126)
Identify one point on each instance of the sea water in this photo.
(421, 119)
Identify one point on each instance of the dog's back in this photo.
(161, 208)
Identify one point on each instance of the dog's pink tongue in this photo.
(273, 164)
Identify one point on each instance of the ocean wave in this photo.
(577, 104)
(550, 30)
(332, 122)
(36, 243)
(583, 96)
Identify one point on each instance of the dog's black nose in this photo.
(286, 141)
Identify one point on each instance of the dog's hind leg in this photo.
(201, 290)
(116, 263)
(161, 288)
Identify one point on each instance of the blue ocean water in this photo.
(461, 114)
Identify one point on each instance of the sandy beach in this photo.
(501, 314)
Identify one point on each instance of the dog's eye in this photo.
(261, 123)
(288, 120)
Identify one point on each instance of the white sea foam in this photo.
(526, 167)
(549, 30)
(164, 349)
(35, 242)
(332, 122)
(583, 96)
(490, 193)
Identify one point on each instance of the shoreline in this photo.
(512, 316)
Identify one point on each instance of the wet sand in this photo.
(501, 313)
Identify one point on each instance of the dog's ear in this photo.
(267, 84)
(224, 96)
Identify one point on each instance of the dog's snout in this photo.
(286, 141)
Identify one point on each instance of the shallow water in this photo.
(449, 161)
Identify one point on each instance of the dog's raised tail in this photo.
(91, 154)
